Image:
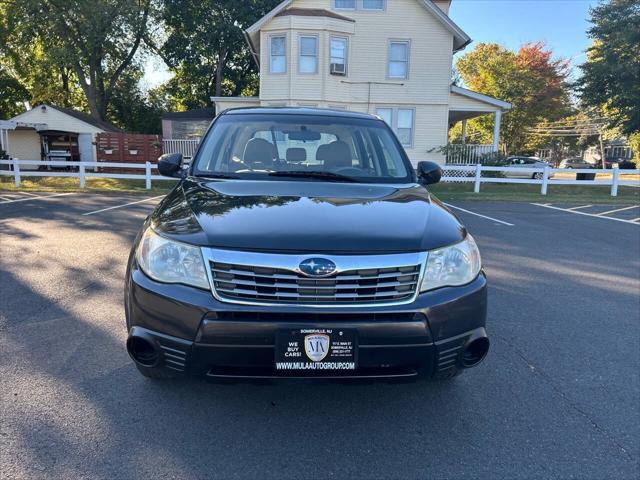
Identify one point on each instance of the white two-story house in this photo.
(392, 58)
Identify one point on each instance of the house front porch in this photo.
(464, 105)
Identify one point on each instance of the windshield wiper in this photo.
(330, 176)
(218, 175)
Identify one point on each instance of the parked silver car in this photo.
(576, 162)
(526, 162)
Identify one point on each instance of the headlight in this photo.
(171, 262)
(452, 266)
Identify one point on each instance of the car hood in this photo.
(306, 216)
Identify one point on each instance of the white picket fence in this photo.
(466, 154)
(473, 173)
(465, 173)
(84, 170)
(186, 147)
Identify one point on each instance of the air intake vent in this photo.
(174, 358)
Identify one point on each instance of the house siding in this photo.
(426, 89)
(221, 105)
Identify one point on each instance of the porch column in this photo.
(464, 131)
(5, 140)
(496, 130)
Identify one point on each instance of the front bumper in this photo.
(196, 334)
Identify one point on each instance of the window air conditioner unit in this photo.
(338, 69)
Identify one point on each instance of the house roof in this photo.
(312, 12)
(83, 117)
(101, 124)
(481, 97)
(196, 114)
(461, 39)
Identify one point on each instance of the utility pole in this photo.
(602, 159)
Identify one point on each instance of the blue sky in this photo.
(562, 24)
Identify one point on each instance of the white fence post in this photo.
(545, 180)
(147, 173)
(16, 172)
(81, 172)
(476, 185)
(614, 182)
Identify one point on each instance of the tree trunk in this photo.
(222, 60)
(64, 76)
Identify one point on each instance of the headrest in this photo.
(338, 155)
(259, 153)
(321, 153)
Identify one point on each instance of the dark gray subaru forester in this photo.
(300, 243)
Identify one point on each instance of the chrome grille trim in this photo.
(266, 279)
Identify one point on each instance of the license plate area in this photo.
(316, 350)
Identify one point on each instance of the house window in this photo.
(345, 4)
(278, 54)
(373, 4)
(359, 4)
(404, 126)
(398, 59)
(308, 62)
(338, 62)
(386, 114)
(401, 120)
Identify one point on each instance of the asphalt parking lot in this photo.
(558, 396)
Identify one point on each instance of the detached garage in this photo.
(52, 133)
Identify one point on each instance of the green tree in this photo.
(134, 109)
(611, 75)
(530, 79)
(13, 95)
(206, 49)
(91, 43)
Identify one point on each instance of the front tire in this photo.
(537, 176)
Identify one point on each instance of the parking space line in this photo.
(4, 198)
(36, 197)
(480, 215)
(582, 206)
(635, 220)
(122, 206)
(586, 214)
(617, 210)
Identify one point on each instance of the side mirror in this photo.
(170, 165)
(429, 173)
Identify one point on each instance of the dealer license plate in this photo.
(316, 349)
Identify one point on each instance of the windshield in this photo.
(314, 148)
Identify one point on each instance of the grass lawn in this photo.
(444, 191)
(531, 193)
(65, 184)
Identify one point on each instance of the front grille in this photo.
(277, 285)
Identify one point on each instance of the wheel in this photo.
(155, 373)
(537, 176)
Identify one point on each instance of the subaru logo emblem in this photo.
(317, 267)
